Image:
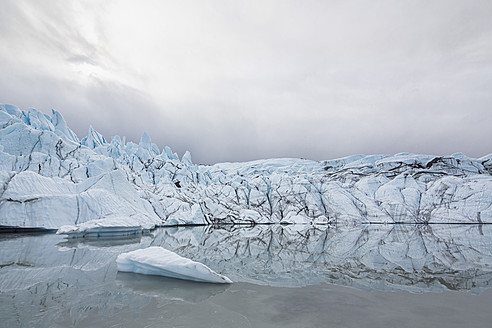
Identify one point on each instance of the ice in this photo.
(162, 262)
(295, 219)
(93, 139)
(61, 127)
(187, 159)
(50, 203)
(50, 179)
(12, 110)
(114, 227)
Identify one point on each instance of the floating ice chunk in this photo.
(100, 232)
(161, 262)
(111, 226)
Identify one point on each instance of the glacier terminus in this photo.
(53, 180)
(374, 239)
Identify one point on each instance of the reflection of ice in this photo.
(46, 275)
(99, 242)
(169, 288)
(37, 276)
(410, 257)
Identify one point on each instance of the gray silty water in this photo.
(288, 276)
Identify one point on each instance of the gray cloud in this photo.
(241, 81)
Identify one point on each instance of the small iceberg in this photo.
(162, 262)
(106, 228)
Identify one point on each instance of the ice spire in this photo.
(61, 127)
(93, 139)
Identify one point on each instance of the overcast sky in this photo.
(243, 80)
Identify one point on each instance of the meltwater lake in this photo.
(284, 276)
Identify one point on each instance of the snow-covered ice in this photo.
(49, 178)
(162, 262)
(108, 227)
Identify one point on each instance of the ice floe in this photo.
(162, 262)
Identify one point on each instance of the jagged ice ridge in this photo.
(50, 179)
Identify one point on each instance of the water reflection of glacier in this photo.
(416, 258)
(46, 279)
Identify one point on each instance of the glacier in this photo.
(51, 179)
(159, 261)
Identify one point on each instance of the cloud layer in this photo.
(234, 81)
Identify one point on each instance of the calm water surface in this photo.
(294, 276)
